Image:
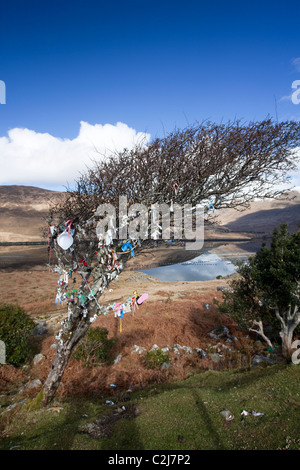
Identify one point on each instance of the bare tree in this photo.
(227, 165)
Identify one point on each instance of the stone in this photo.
(154, 347)
(201, 352)
(222, 288)
(37, 358)
(35, 383)
(165, 365)
(53, 346)
(39, 330)
(261, 359)
(222, 332)
(187, 349)
(219, 332)
(118, 359)
(227, 415)
(11, 407)
(138, 349)
(217, 358)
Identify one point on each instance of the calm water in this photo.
(205, 267)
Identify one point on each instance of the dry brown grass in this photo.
(164, 319)
(11, 376)
(178, 322)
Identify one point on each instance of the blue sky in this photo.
(74, 69)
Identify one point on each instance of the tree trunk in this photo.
(62, 357)
(286, 335)
(289, 322)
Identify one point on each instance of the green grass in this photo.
(190, 409)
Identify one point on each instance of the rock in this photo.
(217, 358)
(219, 332)
(11, 407)
(227, 415)
(138, 349)
(53, 346)
(93, 429)
(118, 358)
(166, 349)
(217, 347)
(201, 352)
(187, 349)
(261, 359)
(222, 288)
(35, 383)
(165, 365)
(222, 332)
(154, 347)
(39, 330)
(37, 358)
(207, 306)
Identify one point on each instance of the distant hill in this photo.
(23, 209)
(22, 212)
(263, 216)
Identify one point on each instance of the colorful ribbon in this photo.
(128, 246)
(68, 225)
(175, 186)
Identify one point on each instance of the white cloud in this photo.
(296, 63)
(40, 159)
(286, 98)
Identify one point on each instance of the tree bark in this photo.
(62, 357)
(260, 332)
(289, 322)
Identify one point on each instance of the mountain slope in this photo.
(22, 212)
(263, 216)
(24, 208)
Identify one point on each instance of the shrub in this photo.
(15, 328)
(267, 291)
(156, 358)
(95, 347)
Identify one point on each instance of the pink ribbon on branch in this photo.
(68, 225)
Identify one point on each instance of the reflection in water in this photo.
(205, 267)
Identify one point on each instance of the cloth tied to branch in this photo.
(127, 246)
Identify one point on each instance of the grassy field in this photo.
(183, 415)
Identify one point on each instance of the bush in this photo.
(15, 328)
(95, 347)
(266, 296)
(155, 359)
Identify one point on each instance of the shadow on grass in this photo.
(50, 430)
(211, 429)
